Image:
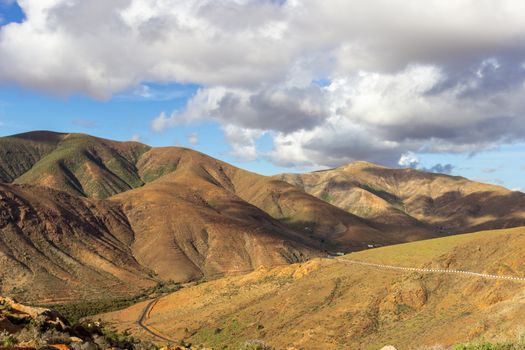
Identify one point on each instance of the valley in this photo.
(340, 304)
(257, 257)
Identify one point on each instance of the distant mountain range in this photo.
(82, 216)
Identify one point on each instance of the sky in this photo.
(278, 85)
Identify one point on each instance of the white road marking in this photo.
(468, 273)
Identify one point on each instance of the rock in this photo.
(50, 316)
(75, 340)
(89, 346)
(6, 325)
(388, 347)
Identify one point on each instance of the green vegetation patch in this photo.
(519, 345)
(74, 312)
(227, 333)
(327, 197)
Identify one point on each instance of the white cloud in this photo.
(162, 122)
(243, 142)
(135, 138)
(193, 138)
(408, 159)
(101, 47)
(400, 76)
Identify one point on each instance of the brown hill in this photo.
(334, 304)
(168, 213)
(79, 164)
(207, 218)
(406, 197)
(58, 246)
(176, 214)
(93, 167)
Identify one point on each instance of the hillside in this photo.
(92, 167)
(334, 304)
(85, 165)
(232, 221)
(19, 153)
(92, 213)
(407, 197)
(61, 247)
(87, 211)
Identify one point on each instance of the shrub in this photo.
(520, 345)
(7, 339)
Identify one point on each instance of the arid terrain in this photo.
(412, 198)
(337, 304)
(254, 257)
(81, 214)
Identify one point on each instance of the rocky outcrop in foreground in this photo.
(34, 328)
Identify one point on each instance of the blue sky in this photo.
(123, 117)
(295, 100)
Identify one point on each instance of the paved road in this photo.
(144, 315)
(450, 271)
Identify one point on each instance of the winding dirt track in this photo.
(144, 315)
(146, 312)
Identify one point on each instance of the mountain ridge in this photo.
(173, 213)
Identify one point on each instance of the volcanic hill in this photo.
(81, 215)
(408, 197)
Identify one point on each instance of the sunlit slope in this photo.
(331, 304)
(92, 167)
(88, 166)
(200, 217)
(408, 198)
(313, 219)
(19, 153)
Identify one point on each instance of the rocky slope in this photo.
(80, 214)
(24, 327)
(86, 215)
(54, 245)
(411, 198)
(333, 304)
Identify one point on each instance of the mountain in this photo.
(110, 208)
(78, 164)
(337, 304)
(407, 197)
(81, 214)
(57, 246)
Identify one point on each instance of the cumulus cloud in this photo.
(397, 76)
(193, 138)
(409, 159)
(243, 142)
(163, 122)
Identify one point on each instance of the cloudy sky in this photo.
(278, 85)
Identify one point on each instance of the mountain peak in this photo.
(44, 136)
(360, 164)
